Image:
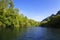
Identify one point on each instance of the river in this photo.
(30, 33)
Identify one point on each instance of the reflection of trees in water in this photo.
(53, 34)
(8, 34)
(22, 32)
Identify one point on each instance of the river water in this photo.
(30, 33)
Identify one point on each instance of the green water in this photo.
(31, 33)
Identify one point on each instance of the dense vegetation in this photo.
(11, 18)
(52, 21)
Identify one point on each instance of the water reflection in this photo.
(31, 33)
(9, 34)
(53, 34)
(40, 33)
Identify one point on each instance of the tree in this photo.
(10, 17)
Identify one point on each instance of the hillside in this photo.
(52, 21)
(11, 18)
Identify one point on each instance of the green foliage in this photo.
(10, 17)
(54, 21)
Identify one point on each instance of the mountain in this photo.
(52, 21)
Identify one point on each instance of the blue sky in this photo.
(37, 9)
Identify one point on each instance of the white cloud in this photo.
(37, 18)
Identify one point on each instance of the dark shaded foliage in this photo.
(52, 21)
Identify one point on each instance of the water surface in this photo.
(30, 33)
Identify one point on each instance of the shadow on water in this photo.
(10, 34)
(53, 33)
(30, 33)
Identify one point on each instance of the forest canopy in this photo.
(10, 16)
(52, 21)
